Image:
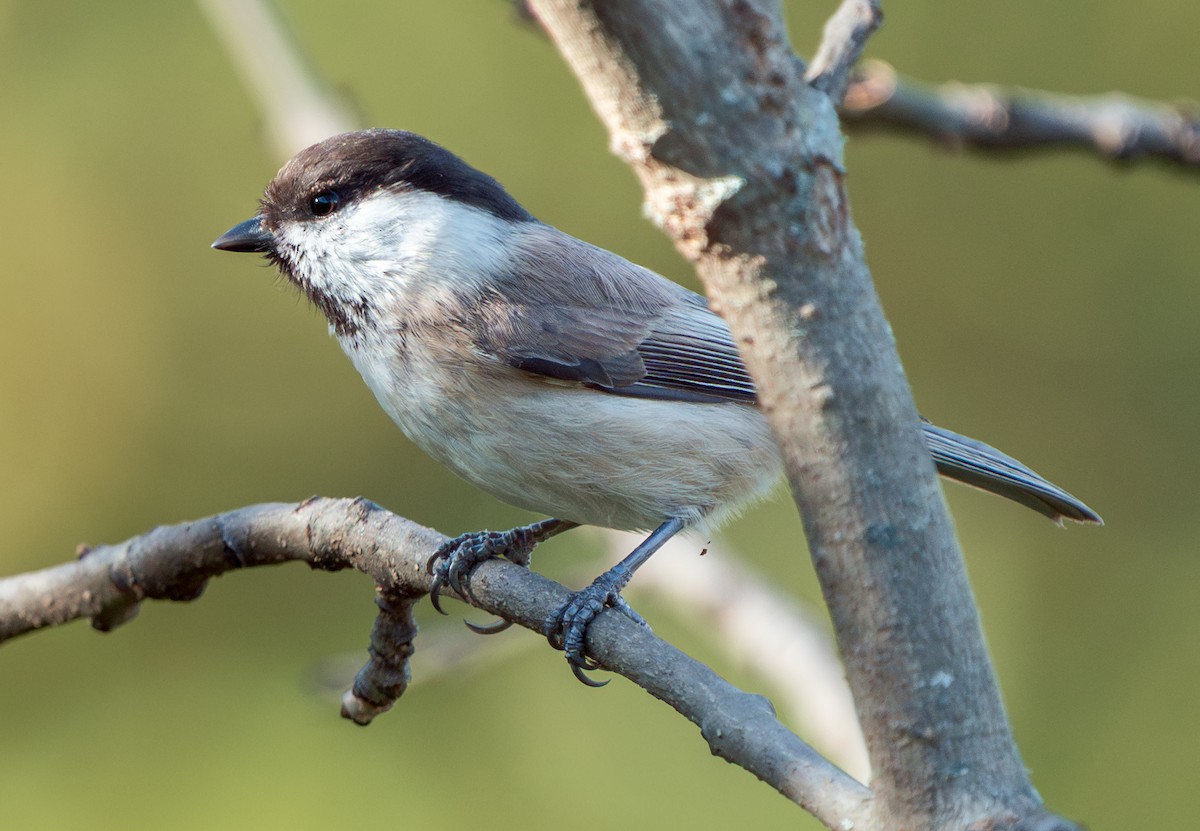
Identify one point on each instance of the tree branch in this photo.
(741, 162)
(298, 108)
(989, 117)
(762, 629)
(846, 34)
(108, 583)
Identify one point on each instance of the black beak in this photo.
(248, 236)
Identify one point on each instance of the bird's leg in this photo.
(451, 565)
(567, 627)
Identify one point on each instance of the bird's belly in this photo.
(580, 454)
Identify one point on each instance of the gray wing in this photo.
(612, 326)
(683, 353)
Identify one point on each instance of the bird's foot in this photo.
(566, 629)
(451, 565)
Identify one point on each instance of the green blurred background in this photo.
(1045, 304)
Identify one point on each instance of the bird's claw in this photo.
(566, 628)
(451, 565)
(496, 626)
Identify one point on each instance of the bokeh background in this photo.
(1046, 304)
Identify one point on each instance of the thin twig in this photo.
(990, 118)
(845, 37)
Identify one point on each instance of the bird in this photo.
(549, 372)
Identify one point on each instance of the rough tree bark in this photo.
(740, 156)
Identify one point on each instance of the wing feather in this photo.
(611, 325)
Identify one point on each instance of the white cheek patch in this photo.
(394, 246)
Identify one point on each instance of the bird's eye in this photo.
(324, 203)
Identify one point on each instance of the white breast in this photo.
(575, 453)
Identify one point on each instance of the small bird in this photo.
(555, 375)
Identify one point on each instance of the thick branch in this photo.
(989, 117)
(107, 583)
(741, 161)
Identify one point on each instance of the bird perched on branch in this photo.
(553, 374)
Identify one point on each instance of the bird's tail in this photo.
(975, 463)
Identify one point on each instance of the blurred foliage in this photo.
(1045, 304)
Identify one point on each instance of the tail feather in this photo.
(975, 463)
